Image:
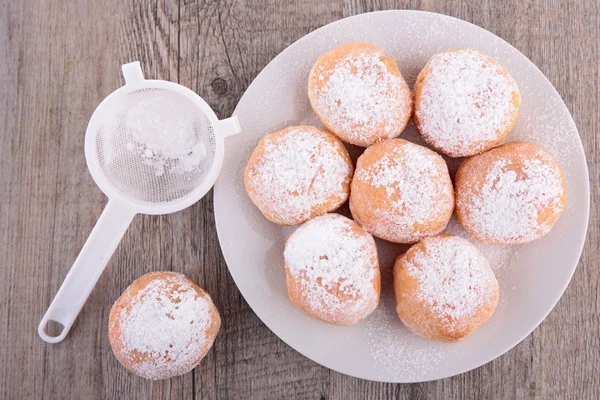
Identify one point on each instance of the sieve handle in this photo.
(86, 270)
(229, 126)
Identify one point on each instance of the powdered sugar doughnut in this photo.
(445, 288)
(298, 173)
(465, 102)
(401, 191)
(511, 194)
(359, 94)
(162, 325)
(332, 271)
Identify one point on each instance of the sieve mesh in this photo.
(153, 175)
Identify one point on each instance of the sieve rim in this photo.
(147, 207)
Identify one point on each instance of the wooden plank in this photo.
(148, 32)
(48, 99)
(78, 66)
(224, 46)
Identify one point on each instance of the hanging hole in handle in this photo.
(53, 328)
(52, 331)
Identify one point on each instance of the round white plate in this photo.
(532, 277)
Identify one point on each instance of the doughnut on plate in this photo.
(532, 277)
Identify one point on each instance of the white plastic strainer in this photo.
(144, 164)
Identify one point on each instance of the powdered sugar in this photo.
(362, 100)
(299, 171)
(465, 104)
(500, 257)
(507, 208)
(166, 132)
(165, 327)
(397, 351)
(416, 189)
(454, 278)
(328, 257)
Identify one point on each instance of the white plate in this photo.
(532, 277)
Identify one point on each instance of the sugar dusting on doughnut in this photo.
(361, 100)
(507, 208)
(465, 104)
(165, 328)
(298, 171)
(336, 268)
(408, 185)
(455, 280)
(411, 176)
(500, 257)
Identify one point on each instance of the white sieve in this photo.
(153, 147)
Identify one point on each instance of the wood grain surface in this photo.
(59, 59)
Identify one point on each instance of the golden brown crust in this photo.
(349, 308)
(374, 208)
(345, 128)
(479, 146)
(470, 180)
(271, 207)
(420, 317)
(132, 359)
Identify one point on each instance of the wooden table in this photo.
(59, 59)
